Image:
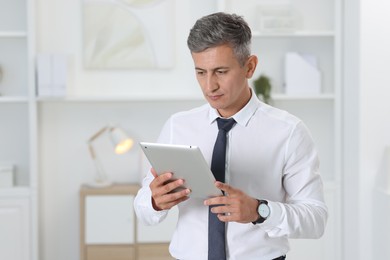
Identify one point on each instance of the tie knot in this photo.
(225, 124)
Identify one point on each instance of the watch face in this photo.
(264, 210)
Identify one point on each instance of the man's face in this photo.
(223, 80)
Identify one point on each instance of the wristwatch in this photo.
(263, 210)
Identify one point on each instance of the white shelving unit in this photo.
(18, 138)
(318, 34)
(14, 34)
(301, 34)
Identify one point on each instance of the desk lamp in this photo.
(121, 142)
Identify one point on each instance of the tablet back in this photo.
(185, 162)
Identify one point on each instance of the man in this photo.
(271, 184)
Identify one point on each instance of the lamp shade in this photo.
(122, 143)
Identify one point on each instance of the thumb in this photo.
(154, 173)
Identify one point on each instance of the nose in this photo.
(211, 83)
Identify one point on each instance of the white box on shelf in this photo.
(6, 175)
(44, 70)
(277, 18)
(302, 76)
(60, 71)
(52, 74)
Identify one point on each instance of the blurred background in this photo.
(70, 68)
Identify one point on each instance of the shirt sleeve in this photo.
(304, 213)
(143, 201)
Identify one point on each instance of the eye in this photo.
(221, 72)
(200, 72)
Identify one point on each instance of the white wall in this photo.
(374, 113)
(367, 79)
(351, 130)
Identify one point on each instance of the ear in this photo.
(251, 65)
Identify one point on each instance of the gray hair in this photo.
(218, 29)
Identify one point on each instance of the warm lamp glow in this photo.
(122, 143)
(124, 146)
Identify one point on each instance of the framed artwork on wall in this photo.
(128, 34)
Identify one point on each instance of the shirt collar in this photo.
(243, 116)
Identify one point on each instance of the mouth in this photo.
(214, 97)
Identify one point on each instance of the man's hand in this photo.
(162, 187)
(235, 206)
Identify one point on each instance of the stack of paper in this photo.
(302, 76)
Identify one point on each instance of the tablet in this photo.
(185, 162)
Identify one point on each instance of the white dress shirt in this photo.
(271, 156)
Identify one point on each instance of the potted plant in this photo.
(262, 87)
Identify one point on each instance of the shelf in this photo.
(14, 192)
(259, 34)
(115, 99)
(16, 99)
(178, 98)
(303, 97)
(13, 34)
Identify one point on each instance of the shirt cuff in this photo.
(274, 219)
(147, 214)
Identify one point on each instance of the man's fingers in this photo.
(176, 195)
(171, 204)
(225, 187)
(172, 185)
(216, 201)
(169, 200)
(225, 213)
(163, 187)
(226, 217)
(220, 209)
(159, 180)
